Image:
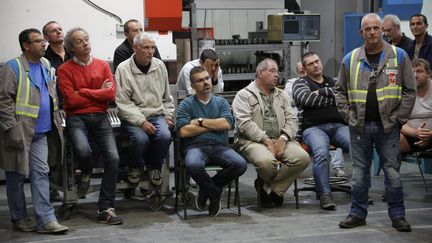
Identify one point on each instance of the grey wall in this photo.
(330, 48)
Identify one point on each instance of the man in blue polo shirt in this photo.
(203, 121)
(29, 124)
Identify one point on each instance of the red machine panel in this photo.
(162, 14)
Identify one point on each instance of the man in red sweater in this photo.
(88, 86)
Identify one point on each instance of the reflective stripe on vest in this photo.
(360, 95)
(22, 105)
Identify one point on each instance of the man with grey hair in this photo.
(146, 109)
(265, 133)
(88, 86)
(392, 31)
(131, 28)
(375, 94)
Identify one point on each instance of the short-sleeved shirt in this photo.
(191, 108)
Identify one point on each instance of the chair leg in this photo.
(296, 194)
(184, 192)
(258, 185)
(176, 185)
(229, 195)
(237, 196)
(421, 172)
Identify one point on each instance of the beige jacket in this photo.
(248, 108)
(140, 96)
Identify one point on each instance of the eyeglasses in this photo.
(41, 41)
(274, 71)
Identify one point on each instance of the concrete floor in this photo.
(284, 224)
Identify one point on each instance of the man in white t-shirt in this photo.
(416, 134)
(208, 60)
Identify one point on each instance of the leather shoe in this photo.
(276, 199)
(400, 224)
(352, 221)
(201, 200)
(215, 205)
(263, 198)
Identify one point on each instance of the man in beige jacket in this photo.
(265, 133)
(146, 109)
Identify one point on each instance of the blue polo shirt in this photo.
(37, 77)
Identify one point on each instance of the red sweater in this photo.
(81, 86)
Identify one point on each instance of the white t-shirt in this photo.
(183, 80)
(422, 110)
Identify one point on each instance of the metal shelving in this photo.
(251, 47)
(284, 47)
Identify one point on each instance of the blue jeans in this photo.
(79, 127)
(149, 148)
(198, 156)
(337, 159)
(387, 146)
(319, 138)
(39, 185)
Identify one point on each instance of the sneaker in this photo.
(108, 216)
(83, 185)
(201, 200)
(215, 206)
(351, 221)
(276, 199)
(133, 175)
(25, 225)
(53, 227)
(339, 172)
(400, 224)
(156, 178)
(54, 195)
(326, 201)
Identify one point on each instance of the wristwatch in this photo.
(284, 137)
(200, 121)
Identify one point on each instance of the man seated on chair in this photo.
(337, 160)
(265, 133)
(416, 134)
(210, 61)
(146, 110)
(88, 86)
(322, 124)
(203, 121)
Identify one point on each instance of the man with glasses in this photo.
(203, 120)
(88, 86)
(392, 32)
(265, 134)
(322, 124)
(29, 123)
(375, 94)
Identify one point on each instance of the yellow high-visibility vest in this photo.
(357, 95)
(22, 104)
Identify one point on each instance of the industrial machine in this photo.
(293, 27)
